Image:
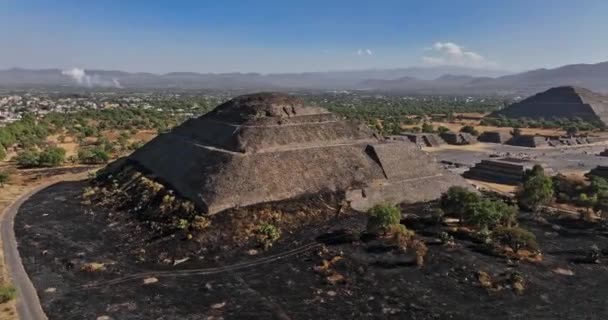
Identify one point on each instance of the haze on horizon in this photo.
(276, 36)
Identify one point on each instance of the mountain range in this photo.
(416, 80)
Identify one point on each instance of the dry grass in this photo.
(480, 147)
(497, 187)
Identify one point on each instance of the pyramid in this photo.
(560, 102)
(270, 147)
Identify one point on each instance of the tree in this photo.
(472, 208)
(94, 155)
(427, 128)
(443, 129)
(469, 129)
(4, 178)
(598, 195)
(516, 238)
(572, 130)
(516, 132)
(456, 201)
(537, 189)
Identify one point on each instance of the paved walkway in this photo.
(28, 304)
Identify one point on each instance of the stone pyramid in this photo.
(560, 102)
(269, 147)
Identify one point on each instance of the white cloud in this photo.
(449, 53)
(364, 52)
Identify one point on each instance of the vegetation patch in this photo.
(7, 293)
(515, 238)
(267, 234)
(384, 221)
(492, 223)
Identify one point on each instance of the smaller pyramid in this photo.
(560, 102)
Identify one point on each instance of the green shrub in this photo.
(427, 128)
(399, 234)
(27, 159)
(443, 129)
(381, 216)
(51, 157)
(515, 238)
(4, 178)
(469, 129)
(472, 208)
(7, 293)
(267, 234)
(200, 223)
(483, 213)
(182, 224)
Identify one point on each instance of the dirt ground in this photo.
(85, 265)
(21, 182)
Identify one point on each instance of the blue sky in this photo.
(306, 35)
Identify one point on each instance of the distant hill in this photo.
(591, 76)
(23, 78)
(431, 80)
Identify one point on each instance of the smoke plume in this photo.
(83, 79)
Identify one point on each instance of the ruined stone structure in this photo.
(494, 137)
(560, 102)
(424, 139)
(458, 138)
(269, 147)
(572, 141)
(505, 170)
(535, 141)
(527, 140)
